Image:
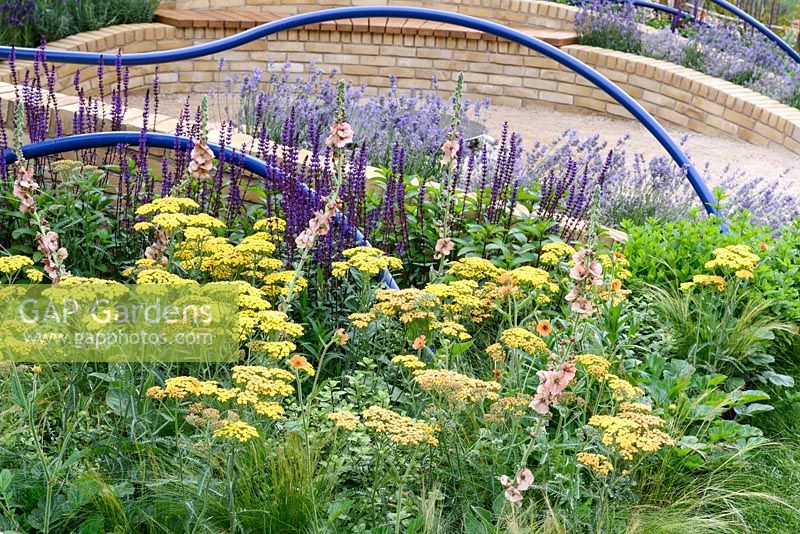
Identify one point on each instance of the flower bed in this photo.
(529, 374)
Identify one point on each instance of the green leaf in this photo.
(778, 379)
(752, 409)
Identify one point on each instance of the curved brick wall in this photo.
(501, 70)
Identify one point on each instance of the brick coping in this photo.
(244, 18)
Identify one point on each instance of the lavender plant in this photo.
(609, 24)
(637, 189)
(720, 49)
(27, 22)
(416, 120)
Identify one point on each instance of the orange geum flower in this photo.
(544, 328)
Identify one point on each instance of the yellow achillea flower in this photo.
(170, 221)
(180, 387)
(454, 386)
(271, 225)
(12, 264)
(635, 407)
(345, 420)
(596, 366)
(532, 278)
(361, 320)
(34, 276)
(259, 381)
(269, 409)
(453, 329)
(457, 296)
(277, 283)
(268, 321)
(401, 429)
(519, 338)
(743, 274)
(237, 430)
(408, 304)
(598, 463)
(194, 233)
(621, 389)
(160, 276)
(203, 220)
(734, 258)
(552, 252)
(409, 361)
(366, 260)
(258, 244)
(143, 226)
(167, 205)
(631, 433)
(276, 349)
(495, 352)
(705, 280)
(617, 263)
(508, 407)
(474, 269)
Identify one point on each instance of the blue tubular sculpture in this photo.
(167, 141)
(575, 65)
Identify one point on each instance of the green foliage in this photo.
(666, 254)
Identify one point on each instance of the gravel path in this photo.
(545, 125)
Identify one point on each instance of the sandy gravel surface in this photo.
(544, 125)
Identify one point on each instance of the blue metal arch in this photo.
(166, 56)
(168, 141)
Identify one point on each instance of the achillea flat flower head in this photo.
(598, 463)
(345, 420)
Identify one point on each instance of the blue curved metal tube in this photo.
(167, 141)
(326, 15)
(655, 6)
